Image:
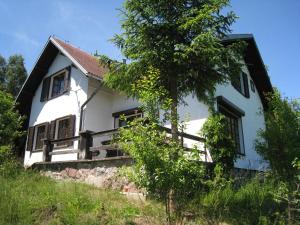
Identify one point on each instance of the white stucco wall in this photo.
(252, 122)
(98, 112)
(64, 105)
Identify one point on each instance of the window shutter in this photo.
(30, 137)
(51, 130)
(246, 85)
(67, 82)
(71, 130)
(45, 89)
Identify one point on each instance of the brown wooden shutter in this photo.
(51, 130)
(246, 85)
(67, 82)
(30, 137)
(45, 89)
(71, 130)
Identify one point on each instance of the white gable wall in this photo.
(67, 104)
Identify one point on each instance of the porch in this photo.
(95, 146)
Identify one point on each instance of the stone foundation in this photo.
(102, 173)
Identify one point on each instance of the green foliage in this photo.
(279, 143)
(15, 74)
(161, 165)
(250, 203)
(9, 167)
(151, 95)
(220, 144)
(2, 72)
(10, 120)
(12, 74)
(181, 39)
(29, 198)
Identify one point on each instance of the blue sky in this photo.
(26, 26)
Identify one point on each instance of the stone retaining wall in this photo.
(101, 173)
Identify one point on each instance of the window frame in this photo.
(63, 72)
(233, 112)
(64, 145)
(36, 128)
(134, 112)
(47, 84)
(243, 85)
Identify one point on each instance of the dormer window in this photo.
(56, 84)
(241, 84)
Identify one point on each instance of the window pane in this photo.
(40, 135)
(63, 130)
(58, 85)
(233, 127)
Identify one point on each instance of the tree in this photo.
(279, 142)
(221, 146)
(2, 72)
(10, 120)
(15, 74)
(182, 39)
(156, 169)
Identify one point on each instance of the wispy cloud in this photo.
(25, 38)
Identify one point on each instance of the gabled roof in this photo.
(90, 64)
(255, 64)
(86, 63)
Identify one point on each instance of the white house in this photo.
(63, 95)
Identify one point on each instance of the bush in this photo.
(252, 203)
(279, 143)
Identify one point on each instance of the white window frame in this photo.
(35, 136)
(65, 72)
(56, 132)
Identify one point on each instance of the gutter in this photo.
(85, 103)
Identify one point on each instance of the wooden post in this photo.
(47, 148)
(85, 142)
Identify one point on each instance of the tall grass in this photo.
(26, 197)
(250, 203)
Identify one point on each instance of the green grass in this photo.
(26, 197)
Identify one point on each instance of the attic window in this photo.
(241, 84)
(56, 84)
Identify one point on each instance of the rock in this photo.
(71, 172)
(100, 171)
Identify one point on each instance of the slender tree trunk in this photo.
(174, 132)
(174, 114)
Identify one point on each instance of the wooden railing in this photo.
(92, 144)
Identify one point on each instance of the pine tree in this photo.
(2, 72)
(15, 74)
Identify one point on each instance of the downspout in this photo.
(85, 103)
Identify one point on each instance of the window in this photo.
(40, 134)
(233, 117)
(129, 115)
(60, 128)
(64, 129)
(241, 84)
(56, 84)
(252, 86)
